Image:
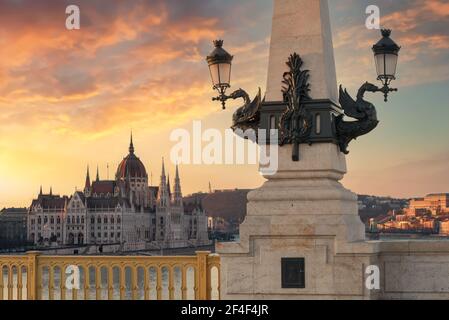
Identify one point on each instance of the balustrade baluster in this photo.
(98, 283)
(184, 282)
(10, 283)
(218, 282)
(51, 283)
(19, 283)
(146, 285)
(122, 282)
(159, 282)
(134, 283)
(86, 282)
(39, 271)
(208, 283)
(196, 283)
(110, 283)
(62, 284)
(1, 282)
(171, 285)
(74, 293)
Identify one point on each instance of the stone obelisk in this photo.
(302, 26)
(302, 211)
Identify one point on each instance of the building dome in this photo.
(131, 165)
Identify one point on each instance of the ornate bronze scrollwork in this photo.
(296, 121)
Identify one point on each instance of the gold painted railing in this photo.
(36, 277)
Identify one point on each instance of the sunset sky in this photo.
(71, 98)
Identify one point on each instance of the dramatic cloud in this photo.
(69, 97)
(143, 57)
(419, 26)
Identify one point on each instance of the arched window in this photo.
(105, 220)
(99, 220)
(119, 220)
(39, 220)
(52, 220)
(58, 220)
(82, 220)
(45, 219)
(112, 219)
(77, 219)
(92, 220)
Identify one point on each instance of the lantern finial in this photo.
(218, 43)
(386, 33)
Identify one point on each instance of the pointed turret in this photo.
(164, 197)
(168, 186)
(40, 191)
(98, 175)
(51, 191)
(131, 145)
(87, 185)
(177, 197)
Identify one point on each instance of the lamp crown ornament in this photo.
(386, 32)
(218, 43)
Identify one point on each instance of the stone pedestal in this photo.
(301, 212)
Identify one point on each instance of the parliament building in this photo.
(125, 211)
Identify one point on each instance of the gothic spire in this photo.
(51, 191)
(168, 185)
(40, 191)
(163, 192)
(177, 189)
(163, 168)
(177, 172)
(87, 184)
(131, 145)
(98, 174)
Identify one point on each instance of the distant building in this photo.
(124, 211)
(426, 215)
(13, 228)
(444, 227)
(436, 204)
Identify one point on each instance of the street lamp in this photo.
(220, 62)
(386, 53)
(300, 118)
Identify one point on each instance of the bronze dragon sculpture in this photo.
(362, 110)
(247, 116)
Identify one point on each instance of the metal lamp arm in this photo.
(385, 89)
(240, 93)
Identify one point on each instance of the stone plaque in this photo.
(293, 273)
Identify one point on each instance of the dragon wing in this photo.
(349, 106)
(255, 105)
